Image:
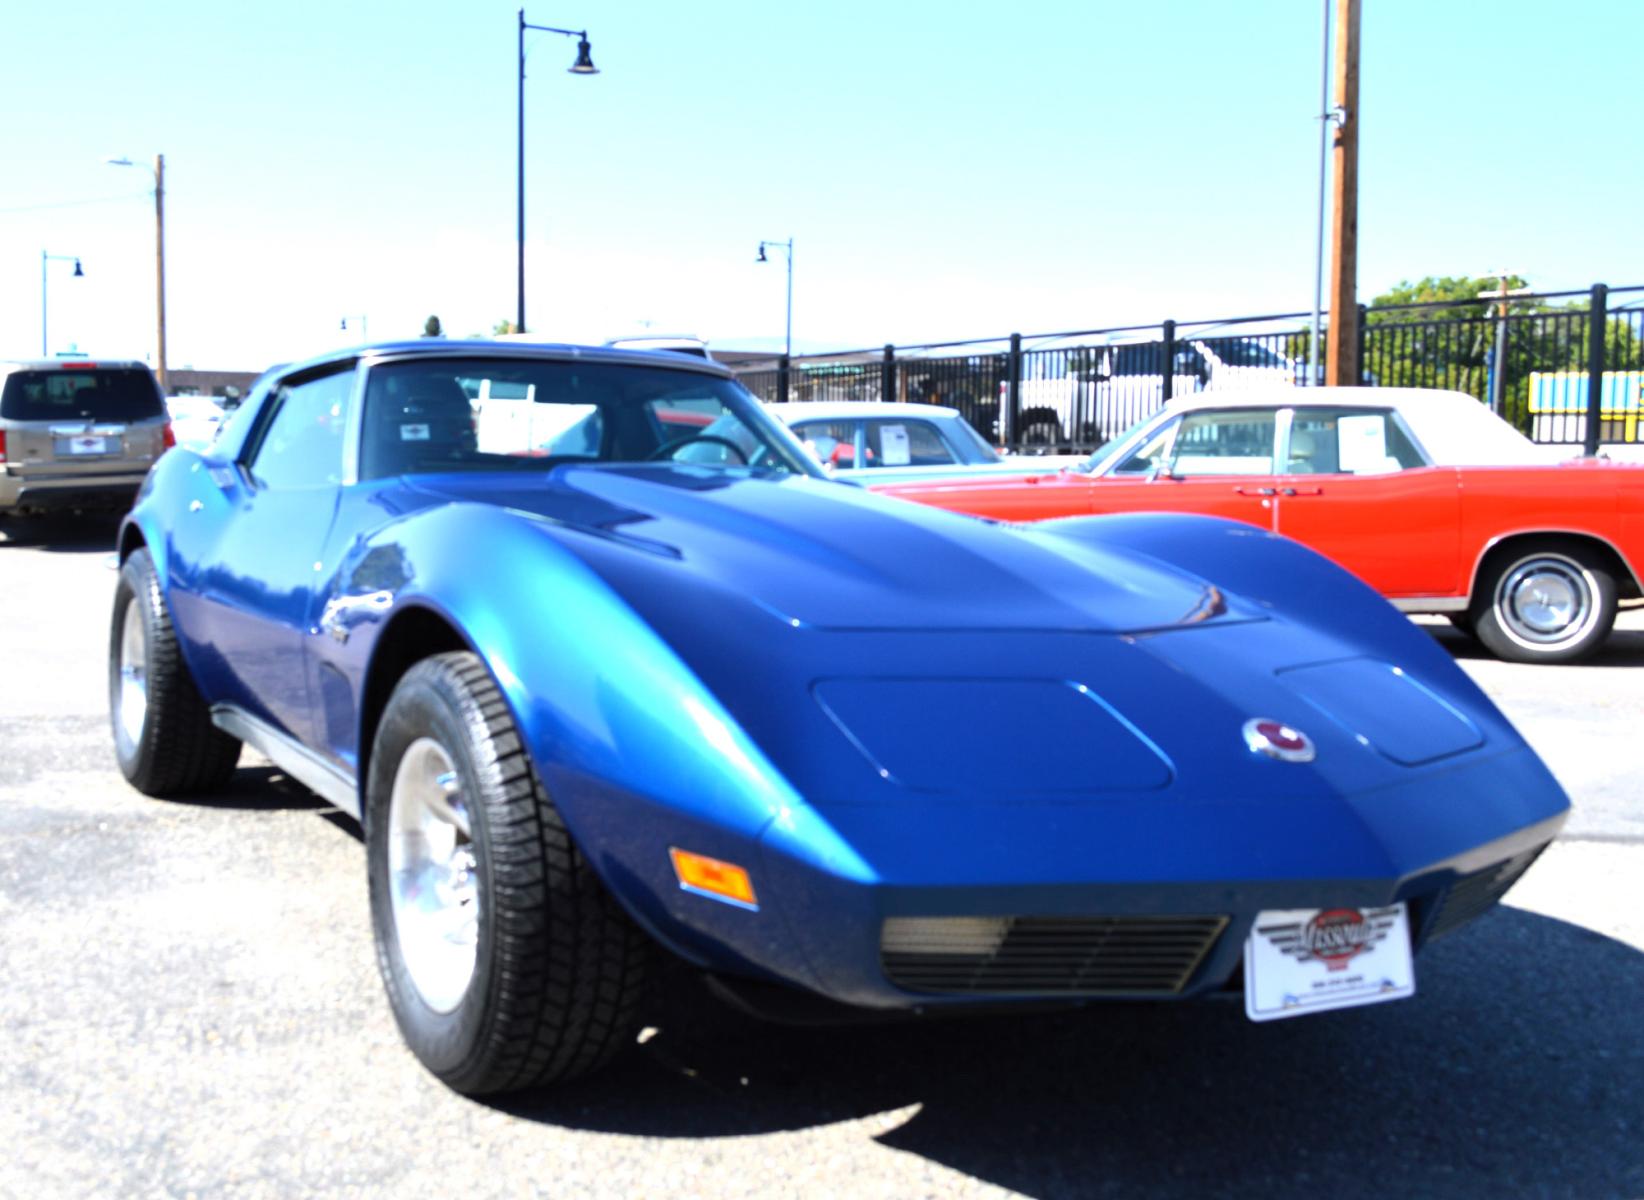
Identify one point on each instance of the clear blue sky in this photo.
(947, 170)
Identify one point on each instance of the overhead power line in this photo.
(73, 203)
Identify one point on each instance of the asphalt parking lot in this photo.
(191, 1008)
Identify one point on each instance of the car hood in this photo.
(830, 556)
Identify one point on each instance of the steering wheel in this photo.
(669, 449)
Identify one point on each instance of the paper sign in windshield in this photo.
(893, 445)
(1363, 444)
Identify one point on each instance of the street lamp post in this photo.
(45, 350)
(1326, 117)
(786, 247)
(584, 65)
(159, 257)
(365, 330)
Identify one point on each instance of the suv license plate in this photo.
(85, 443)
(1304, 960)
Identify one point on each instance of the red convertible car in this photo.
(1425, 495)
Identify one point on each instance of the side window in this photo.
(303, 444)
(1138, 360)
(1235, 442)
(1189, 361)
(1348, 442)
(906, 444)
(830, 442)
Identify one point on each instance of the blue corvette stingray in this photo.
(604, 664)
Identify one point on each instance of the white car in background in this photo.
(195, 420)
(678, 343)
(871, 441)
(1092, 392)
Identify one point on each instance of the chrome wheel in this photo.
(131, 696)
(433, 879)
(1546, 600)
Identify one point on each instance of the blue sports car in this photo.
(605, 666)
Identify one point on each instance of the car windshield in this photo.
(1110, 450)
(81, 394)
(510, 414)
(963, 430)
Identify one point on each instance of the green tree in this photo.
(1451, 341)
(431, 328)
(1463, 290)
(503, 326)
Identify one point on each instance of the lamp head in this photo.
(584, 64)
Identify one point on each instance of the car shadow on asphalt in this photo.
(1623, 648)
(265, 788)
(1518, 1069)
(69, 533)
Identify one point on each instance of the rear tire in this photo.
(507, 963)
(1040, 427)
(164, 740)
(1545, 600)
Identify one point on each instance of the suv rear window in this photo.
(87, 394)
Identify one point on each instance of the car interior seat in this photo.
(1302, 451)
(419, 422)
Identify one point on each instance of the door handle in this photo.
(1290, 491)
(1265, 491)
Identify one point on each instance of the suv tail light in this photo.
(2, 445)
(168, 439)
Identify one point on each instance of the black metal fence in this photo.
(1564, 367)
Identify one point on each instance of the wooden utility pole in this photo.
(1342, 359)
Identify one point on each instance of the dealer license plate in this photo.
(1305, 960)
(85, 443)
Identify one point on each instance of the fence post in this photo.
(1363, 330)
(1013, 392)
(1597, 326)
(887, 374)
(782, 366)
(1167, 368)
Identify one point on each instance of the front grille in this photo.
(1473, 895)
(1051, 955)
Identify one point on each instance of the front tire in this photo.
(1544, 601)
(507, 963)
(164, 740)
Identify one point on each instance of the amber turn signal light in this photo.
(712, 877)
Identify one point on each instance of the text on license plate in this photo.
(1303, 960)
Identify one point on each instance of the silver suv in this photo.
(76, 434)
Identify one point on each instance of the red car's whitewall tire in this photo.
(1544, 601)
